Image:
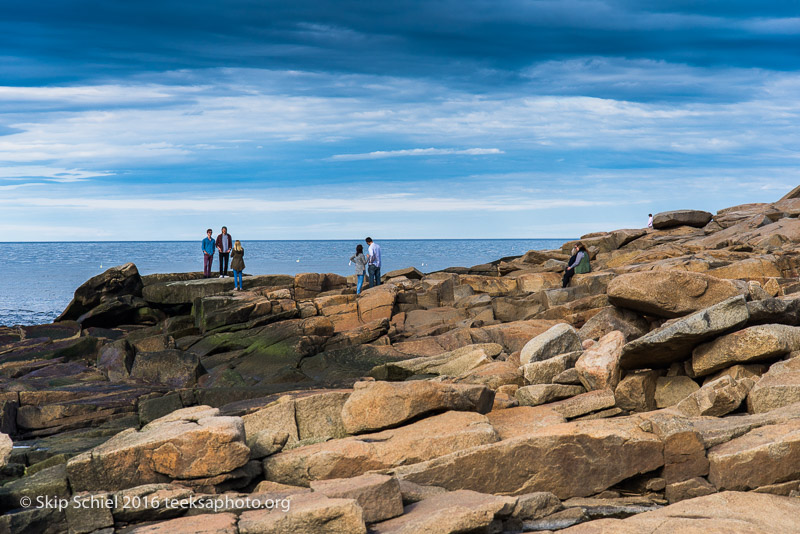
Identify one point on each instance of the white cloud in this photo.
(365, 204)
(228, 119)
(381, 154)
(51, 174)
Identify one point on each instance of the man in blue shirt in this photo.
(373, 263)
(208, 253)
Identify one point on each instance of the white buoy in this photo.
(298, 261)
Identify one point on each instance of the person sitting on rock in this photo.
(578, 263)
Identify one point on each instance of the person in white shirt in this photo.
(650, 221)
(373, 262)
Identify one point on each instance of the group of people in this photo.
(371, 263)
(228, 249)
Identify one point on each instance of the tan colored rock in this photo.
(748, 269)
(376, 405)
(570, 459)
(753, 344)
(559, 339)
(377, 303)
(779, 387)
(309, 513)
(669, 293)
(349, 457)
(512, 336)
(598, 367)
(675, 341)
(266, 442)
(545, 371)
(365, 333)
(523, 420)
(224, 523)
(452, 363)
(536, 505)
(719, 513)
(422, 320)
(145, 503)
(585, 403)
(544, 393)
(448, 513)
(414, 492)
(688, 489)
(568, 376)
(637, 391)
(319, 416)
(6, 446)
(766, 455)
(267, 486)
(505, 397)
(684, 457)
(738, 372)
(494, 375)
(670, 390)
(493, 285)
(378, 495)
(188, 443)
(716, 398)
(341, 310)
(278, 416)
(533, 282)
(612, 318)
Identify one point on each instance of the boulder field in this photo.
(660, 392)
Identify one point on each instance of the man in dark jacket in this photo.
(224, 245)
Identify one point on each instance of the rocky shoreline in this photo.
(659, 392)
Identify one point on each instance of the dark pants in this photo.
(208, 259)
(374, 276)
(223, 262)
(568, 274)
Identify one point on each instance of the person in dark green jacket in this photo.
(578, 263)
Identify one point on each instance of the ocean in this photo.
(37, 280)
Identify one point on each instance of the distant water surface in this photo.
(39, 279)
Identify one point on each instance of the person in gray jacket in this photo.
(361, 264)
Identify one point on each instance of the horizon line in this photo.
(307, 240)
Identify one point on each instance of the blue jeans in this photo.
(237, 279)
(360, 283)
(374, 276)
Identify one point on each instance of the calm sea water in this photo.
(37, 280)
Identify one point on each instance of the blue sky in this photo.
(402, 119)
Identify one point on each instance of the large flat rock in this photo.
(669, 293)
(349, 457)
(188, 443)
(763, 456)
(377, 405)
(185, 291)
(570, 460)
(675, 341)
(720, 513)
(754, 344)
(668, 219)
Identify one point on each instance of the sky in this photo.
(414, 119)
